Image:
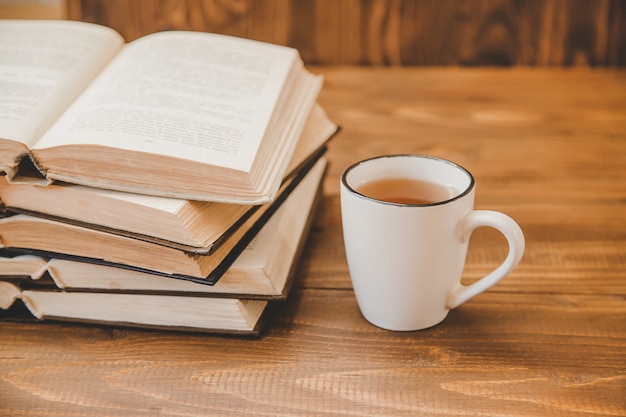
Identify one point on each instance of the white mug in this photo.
(406, 260)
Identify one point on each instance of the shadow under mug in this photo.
(406, 260)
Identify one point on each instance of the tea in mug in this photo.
(405, 191)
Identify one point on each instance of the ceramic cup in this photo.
(406, 260)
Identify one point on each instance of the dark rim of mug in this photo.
(437, 203)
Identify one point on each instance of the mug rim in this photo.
(467, 190)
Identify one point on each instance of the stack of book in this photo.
(168, 182)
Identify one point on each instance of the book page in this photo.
(44, 65)
(9, 292)
(196, 96)
(226, 313)
(23, 265)
(169, 205)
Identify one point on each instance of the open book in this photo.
(263, 270)
(193, 226)
(188, 115)
(32, 235)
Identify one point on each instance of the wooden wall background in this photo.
(393, 32)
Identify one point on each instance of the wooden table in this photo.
(548, 147)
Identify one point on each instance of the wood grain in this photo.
(393, 32)
(320, 358)
(547, 146)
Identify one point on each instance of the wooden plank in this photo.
(319, 357)
(392, 32)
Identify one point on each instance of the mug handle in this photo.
(515, 238)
